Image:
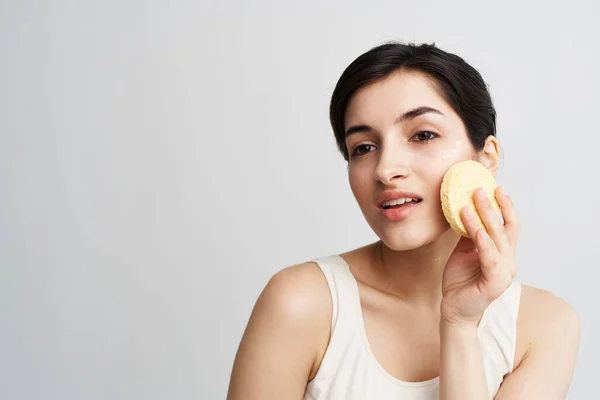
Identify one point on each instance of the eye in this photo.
(424, 136)
(358, 149)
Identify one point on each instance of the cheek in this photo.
(438, 157)
(451, 153)
(448, 152)
(359, 183)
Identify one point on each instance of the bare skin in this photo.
(400, 277)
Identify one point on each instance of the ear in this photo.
(490, 154)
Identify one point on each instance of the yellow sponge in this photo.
(458, 185)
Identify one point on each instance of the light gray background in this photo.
(159, 161)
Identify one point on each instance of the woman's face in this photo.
(402, 136)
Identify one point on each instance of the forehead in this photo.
(391, 96)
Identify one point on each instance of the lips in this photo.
(389, 195)
(399, 213)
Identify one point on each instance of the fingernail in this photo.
(483, 234)
(468, 213)
(480, 194)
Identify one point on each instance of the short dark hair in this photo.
(459, 84)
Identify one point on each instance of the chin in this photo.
(406, 239)
(411, 237)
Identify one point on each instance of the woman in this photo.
(422, 313)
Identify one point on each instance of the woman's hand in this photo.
(480, 269)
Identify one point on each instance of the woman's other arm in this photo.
(551, 328)
(547, 325)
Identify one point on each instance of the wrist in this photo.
(459, 328)
(449, 318)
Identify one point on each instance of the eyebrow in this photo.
(411, 114)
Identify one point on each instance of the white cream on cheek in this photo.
(452, 152)
(435, 159)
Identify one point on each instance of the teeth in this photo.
(396, 202)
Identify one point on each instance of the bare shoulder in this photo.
(286, 336)
(546, 309)
(298, 293)
(545, 318)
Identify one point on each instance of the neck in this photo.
(415, 275)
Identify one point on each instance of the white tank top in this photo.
(350, 371)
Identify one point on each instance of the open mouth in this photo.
(400, 203)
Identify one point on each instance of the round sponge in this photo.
(458, 186)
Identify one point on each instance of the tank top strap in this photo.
(344, 290)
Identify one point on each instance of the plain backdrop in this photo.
(159, 161)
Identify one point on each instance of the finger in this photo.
(471, 223)
(491, 220)
(488, 254)
(509, 213)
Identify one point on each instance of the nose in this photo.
(392, 165)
